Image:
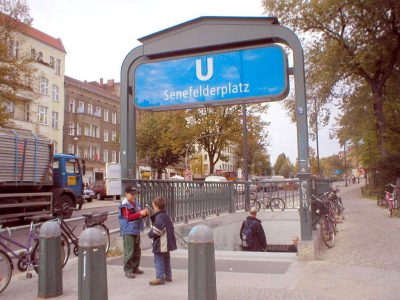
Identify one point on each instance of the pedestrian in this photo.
(130, 217)
(252, 233)
(163, 236)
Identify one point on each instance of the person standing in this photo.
(130, 216)
(252, 233)
(163, 236)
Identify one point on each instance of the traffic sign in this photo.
(230, 77)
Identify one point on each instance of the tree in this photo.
(283, 166)
(162, 139)
(351, 43)
(16, 68)
(214, 129)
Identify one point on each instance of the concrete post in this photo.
(50, 262)
(202, 279)
(92, 267)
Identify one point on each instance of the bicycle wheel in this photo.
(104, 230)
(5, 270)
(257, 204)
(277, 204)
(65, 251)
(327, 232)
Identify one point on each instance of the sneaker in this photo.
(130, 275)
(157, 282)
(138, 271)
(168, 279)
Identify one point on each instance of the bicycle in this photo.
(28, 259)
(323, 214)
(91, 221)
(273, 203)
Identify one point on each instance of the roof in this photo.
(91, 88)
(33, 32)
(205, 19)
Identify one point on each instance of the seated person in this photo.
(252, 233)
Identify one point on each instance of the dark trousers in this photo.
(132, 252)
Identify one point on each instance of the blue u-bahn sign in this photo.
(255, 75)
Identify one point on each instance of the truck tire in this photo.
(65, 203)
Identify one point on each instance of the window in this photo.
(33, 53)
(114, 118)
(43, 85)
(70, 149)
(106, 115)
(13, 48)
(54, 120)
(113, 136)
(95, 131)
(72, 166)
(54, 93)
(105, 135)
(51, 62)
(56, 164)
(90, 109)
(71, 128)
(88, 130)
(114, 156)
(55, 147)
(85, 153)
(97, 112)
(78, 129)
(58, 66)
(43, 115)
(105, 155)
(78, 151)
(9, 106)
(81, 107)
(96, 153)
(71, 107)
(27, 113)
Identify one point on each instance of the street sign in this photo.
(239, 76)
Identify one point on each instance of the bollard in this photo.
(202, 279)
(50, 262)
(92, 266)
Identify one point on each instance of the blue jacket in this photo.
(132, 227)
(162, 233)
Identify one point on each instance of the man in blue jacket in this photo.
(252, 233)
(130, 217)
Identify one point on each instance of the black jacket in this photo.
(260, 241)
(162, 232)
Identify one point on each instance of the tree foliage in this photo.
(283, 166)
(16, 68)
(352, 56)
(162, 139)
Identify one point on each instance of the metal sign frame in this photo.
(207, 34)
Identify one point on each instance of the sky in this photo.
(98, 34)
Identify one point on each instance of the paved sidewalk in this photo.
(363, 265)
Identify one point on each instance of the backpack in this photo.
(247, 235)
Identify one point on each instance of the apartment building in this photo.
(42, 111)
(91, 125)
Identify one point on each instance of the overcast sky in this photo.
(98, 34)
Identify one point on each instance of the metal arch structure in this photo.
(210, 34)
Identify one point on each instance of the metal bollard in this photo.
(50, 262)
(202, 279)
(92, 266)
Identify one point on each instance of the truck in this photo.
(33, 180)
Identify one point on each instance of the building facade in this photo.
(91, 126)
(41, 111)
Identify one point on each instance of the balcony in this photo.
(80, 110)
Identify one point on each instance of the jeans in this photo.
(162, 263)
(132, 252)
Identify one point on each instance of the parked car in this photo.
(88, 195)
(99, 189)
(215, 178)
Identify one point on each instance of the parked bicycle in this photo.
(336, 201)
(268, 200)
(392, 199)
(323, 214)
(27, 255)
(91, 221)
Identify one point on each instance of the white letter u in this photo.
(210, 69)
